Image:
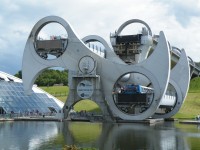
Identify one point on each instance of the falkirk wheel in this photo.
(132, 80)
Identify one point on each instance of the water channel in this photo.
(31, 135)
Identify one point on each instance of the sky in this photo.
(179, 19)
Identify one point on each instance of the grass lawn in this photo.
(191, 106)
(57, 91)
(61, 93)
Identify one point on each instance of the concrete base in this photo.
(171, 119)
(190, 122)
(31, 119)
(146, 121)
(6, 119)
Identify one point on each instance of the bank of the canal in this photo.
(189, 110)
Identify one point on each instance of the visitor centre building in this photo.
(13, 99)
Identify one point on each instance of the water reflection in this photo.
(26, 135)
(130, 136)
(106, 136)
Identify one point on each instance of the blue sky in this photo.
(179, 19)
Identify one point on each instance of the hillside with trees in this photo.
(50, 77)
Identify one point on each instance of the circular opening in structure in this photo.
(133, 93)
(88, 106)
(169, 101)
(53, 77)
(133, 45)
(51, 41)
(96, 47)
(133, 29)
(85, 110)
(55, 82)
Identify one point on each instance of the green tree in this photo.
(49, 77)
(18, 74)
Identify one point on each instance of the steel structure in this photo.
(133, 80)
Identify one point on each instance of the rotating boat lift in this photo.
(132, 80)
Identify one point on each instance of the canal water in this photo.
(32, 135)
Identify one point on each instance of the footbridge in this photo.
(194, 68)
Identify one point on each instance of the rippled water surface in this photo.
(103, 136)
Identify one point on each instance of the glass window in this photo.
(13, 98)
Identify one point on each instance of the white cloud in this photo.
(183, 10)
(3, 44)
(9, 6)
